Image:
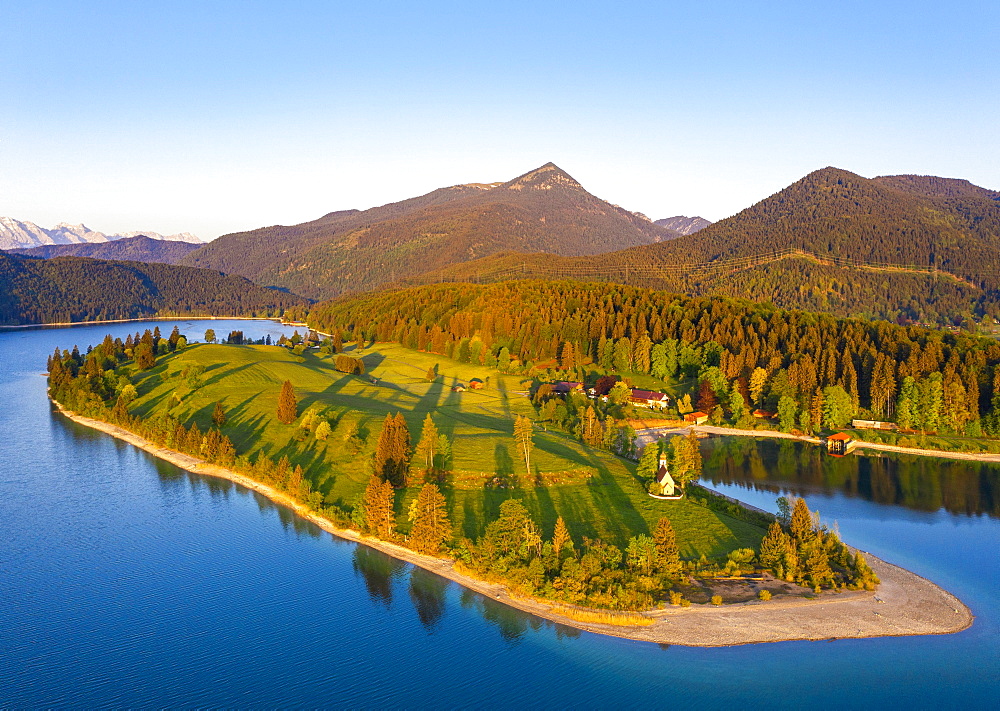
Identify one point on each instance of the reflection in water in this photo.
(920, 483)
(427, 591)
(511, 622)
(379, 571)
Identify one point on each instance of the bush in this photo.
(676, 598)
(764, 595)
(716, 599)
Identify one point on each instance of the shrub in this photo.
(764, 595)
(675, 597)
(716, 599)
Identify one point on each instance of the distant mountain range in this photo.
(130, 249)
(904, 247)
(19, 234)
(70, 289)
(544, 210)
(684, 225)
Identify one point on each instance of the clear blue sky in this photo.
(212, 117)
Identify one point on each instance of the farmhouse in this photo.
(648, 398)
(476, 384)
(565, 387)
(764, 414)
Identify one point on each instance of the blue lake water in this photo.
(125, 581)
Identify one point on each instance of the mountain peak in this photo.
(544, 178)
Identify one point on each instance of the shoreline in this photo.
(652, 433)
(905, 604)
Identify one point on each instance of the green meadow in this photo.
(596, 492)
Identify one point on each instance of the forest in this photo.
(816, 370)
(71, 289)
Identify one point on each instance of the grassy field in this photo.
(596, 492)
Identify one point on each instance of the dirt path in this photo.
(905, 603)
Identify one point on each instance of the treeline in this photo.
(815, 370)
(70, 289)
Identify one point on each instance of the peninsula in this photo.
(600, 570)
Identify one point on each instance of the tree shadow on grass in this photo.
(225, 373)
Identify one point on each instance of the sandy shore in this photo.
(905, 603)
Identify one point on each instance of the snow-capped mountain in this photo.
(15, 234)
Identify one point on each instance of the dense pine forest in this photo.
(69, 289)
(816, 370)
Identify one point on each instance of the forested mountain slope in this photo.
(544, 210)
(912, 248)
(68, 289)
(925, 222)
(129, 249)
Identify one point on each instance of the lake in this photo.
(125, 581)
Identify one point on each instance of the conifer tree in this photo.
(668, 555)
(431, 526)
(773, 549)
(561, 537)
(219, 415)
(802, 525)
(427, 447)
(377, 503)
(817, 567)
(392, 453)
(649, 462)
(686, 461)
(287, 405)
(864, 576)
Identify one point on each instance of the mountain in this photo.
(18, 234)
(683, 225)
(904, 220)
(71, 289)
(129, 249)
(544, 210)
(909, 248)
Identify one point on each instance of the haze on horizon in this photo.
(215, 117)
